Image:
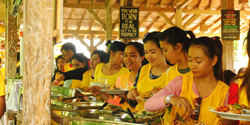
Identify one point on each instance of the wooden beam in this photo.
(215, 29)
(183, 4)
(133, 3)
(81, 40)
(205, 12)
(72, 11)
(147, 3)
(100, 42)
(110, 2)
(149, 27)
(97, 18)
(246, 21)
(151, 9)
(166, 19)
(80, 24)
(145, 18)
(191, 20)
(161, 2)
(173, 4)
(200, 3)
(178, 18)
(115, 23)
(207, 34)
(93, 22)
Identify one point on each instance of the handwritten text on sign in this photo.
(230, 28)
(129, 20)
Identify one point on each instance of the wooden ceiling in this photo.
(201, 16)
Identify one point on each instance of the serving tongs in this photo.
(100, 108)
(117, 111)
(131, 115)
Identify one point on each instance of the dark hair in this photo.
(228, 75)
(140, 49)
(57, 58)
(18, 56)
(241, 70)
(174, 35)
(152, 36)
(102, 55)
(115, 46)
(68, 46)
(81, 58)
(246, 74)
(138, 46)
(212, 47)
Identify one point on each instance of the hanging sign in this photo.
(230, 24)
(129, 22)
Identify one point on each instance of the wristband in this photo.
(56, 81)
(168, 98)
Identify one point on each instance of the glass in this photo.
(124, 83)
(197, 103)
(103, 83)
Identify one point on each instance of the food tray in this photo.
(243, 117)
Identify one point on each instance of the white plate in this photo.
(114, 92)
(139, 98)
(243, 117)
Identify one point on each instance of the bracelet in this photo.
(56, 81)
(168, 98)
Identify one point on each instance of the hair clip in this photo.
(109, 44)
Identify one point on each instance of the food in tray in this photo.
(149, 94)
(181, 120)
(157, 113)
(235, 109)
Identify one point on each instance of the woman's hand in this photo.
(95, 90)
(182, 102)
(132, 94)
(123, 96)
(226, 121)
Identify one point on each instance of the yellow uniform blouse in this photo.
(172, 73)
(146, 84)
(86, 79)
(111, 80)
(215, 99)
(57, 74)
(2, 85)
(243, 100)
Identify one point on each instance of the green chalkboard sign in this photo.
(230, 24)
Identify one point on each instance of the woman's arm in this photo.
(2, 106)
(156, 102)
(75, 74)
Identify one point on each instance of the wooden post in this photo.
(11, 43)
(178, 18)
(38, 27)
(108, 21)
(127, 3)
(228, 45)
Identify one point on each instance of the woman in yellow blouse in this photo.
(2, 96)
(97, 57)
(60, 62)
(133, 58)
(111, 70)
(78, 61)
(151, 75)
(195, 95)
